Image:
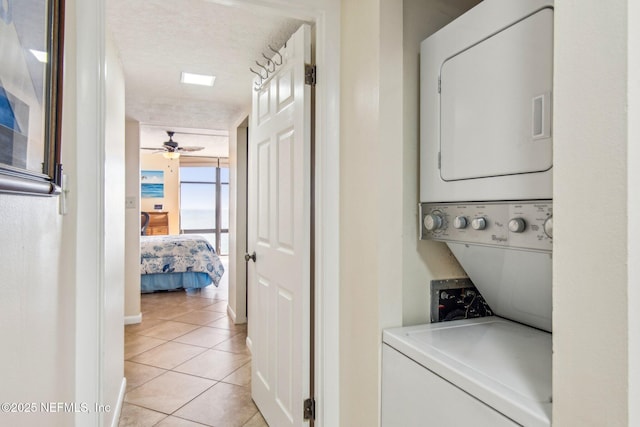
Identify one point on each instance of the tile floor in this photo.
(187, 364)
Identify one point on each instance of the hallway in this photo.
(187, 364)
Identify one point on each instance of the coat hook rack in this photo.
(257, 74)
(269, 61)
(265, 71)
(264, 68)
(277, 53)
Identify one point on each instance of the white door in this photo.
(279, 233)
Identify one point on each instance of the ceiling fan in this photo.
(171, 149)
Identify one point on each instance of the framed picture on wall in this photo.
(31, 52)
(152, 184)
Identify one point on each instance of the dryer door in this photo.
(495, 103)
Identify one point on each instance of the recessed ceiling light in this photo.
(40, 55)
(197, 79)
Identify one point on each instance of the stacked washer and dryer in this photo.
(486, 191)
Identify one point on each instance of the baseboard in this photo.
(118, 409)
(132, 320)
(234, 317)
(231, 313)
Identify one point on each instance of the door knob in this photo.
(248, 257)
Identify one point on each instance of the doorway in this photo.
(326, 16)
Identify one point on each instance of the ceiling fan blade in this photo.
(153, 148)
(192, 148)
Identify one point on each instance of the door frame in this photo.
(325, 15)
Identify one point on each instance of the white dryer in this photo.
(486, 191)
(485, 104)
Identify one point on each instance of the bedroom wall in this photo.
(171, 199)
(132, 224)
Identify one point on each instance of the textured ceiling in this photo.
(158, 39)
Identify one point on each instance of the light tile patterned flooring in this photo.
(187, 364)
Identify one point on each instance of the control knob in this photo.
(479, 223)
(548, 227)
(460, 222)
(433, 221)
(517, 225)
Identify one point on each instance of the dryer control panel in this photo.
(518, 225)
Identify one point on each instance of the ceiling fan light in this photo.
(171, 155)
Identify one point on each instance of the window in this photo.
(204, 204)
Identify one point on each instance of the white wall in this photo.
(595, 235)
(97, 191)
(359, 215)
(114, 232)
(36, 310)
(422, 261)
(132, 224)
(237, 305)
(633, 194)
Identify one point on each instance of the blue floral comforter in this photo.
(179, 254)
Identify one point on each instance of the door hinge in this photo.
(439, 84)
(309, 74)
(309, 409)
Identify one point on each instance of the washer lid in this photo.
(495, 103)
(504, 364)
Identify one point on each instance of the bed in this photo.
(174, 262)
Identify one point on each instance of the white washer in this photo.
(487, 372)
(485, 190)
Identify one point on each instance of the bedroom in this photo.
(183, 199)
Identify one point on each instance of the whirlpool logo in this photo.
(498, 238)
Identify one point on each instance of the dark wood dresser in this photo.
(158, 223)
